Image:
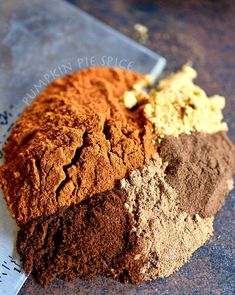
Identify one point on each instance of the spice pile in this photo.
(104, 179)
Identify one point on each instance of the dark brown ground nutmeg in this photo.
(94, 237)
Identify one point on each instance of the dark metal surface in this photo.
(39, 39)
(203, 32)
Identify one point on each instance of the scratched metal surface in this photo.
(41, 41)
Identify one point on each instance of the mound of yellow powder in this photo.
(178, 106)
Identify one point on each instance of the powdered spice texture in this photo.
(103, 189)
(142, 229)
(76, 139)
(177, 105)
(92, 238)
(166, 235)
(200, 168)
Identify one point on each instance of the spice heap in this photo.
(178, 106)
(75, 140)
(105, 179)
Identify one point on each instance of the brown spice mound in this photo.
(85, 240)
(200, 168)
(166, 235)
(146, 230)
(75, 140)
(64, 160)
